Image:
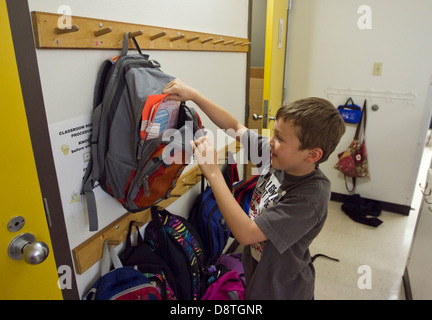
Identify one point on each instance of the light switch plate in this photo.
(377, 69)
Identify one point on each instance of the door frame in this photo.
(248, 66)
(25, 53)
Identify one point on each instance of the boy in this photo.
(289, 204)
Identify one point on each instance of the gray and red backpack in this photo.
(135, 157)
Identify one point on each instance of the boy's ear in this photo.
(314, 155)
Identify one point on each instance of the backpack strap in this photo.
(109, 254)
(125, 44)
(230, 171)
(160, 234)
(100, 82)
(125, 47)
(87, 191)
(92, 172)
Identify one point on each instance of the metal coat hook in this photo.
(424, 188)
(427, 195)
(73, 28)
(103, 31)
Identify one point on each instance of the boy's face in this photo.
(285, 154)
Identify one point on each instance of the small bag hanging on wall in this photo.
(350, 113)
(353, 161)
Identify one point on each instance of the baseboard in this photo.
(407, 285)
(386, 206)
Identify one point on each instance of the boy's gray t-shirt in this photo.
(285, 270)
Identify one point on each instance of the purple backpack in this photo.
(233, 261)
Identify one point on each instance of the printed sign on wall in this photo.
(70, 141)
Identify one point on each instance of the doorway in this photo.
(268, 26)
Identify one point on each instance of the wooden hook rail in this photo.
(91, 33)
(90, 251)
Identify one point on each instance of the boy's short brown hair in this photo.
(318, 124)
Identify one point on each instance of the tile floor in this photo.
(384, 249)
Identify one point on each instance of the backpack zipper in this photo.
(146, 186)
(140, 147)
(209, 230)
(145, 180)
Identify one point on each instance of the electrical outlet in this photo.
(377, 69)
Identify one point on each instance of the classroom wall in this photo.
(328, 49)
(68, 78)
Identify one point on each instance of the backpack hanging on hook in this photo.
(131, 159)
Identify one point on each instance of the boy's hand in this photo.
(179, 91)
(206, 156)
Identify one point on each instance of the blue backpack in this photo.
(243, 192)
(122, 283)
(207, 218)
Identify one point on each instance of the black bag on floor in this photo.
(358, 209)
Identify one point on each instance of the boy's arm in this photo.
(244, 229)
(178, 90)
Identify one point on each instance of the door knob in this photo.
(26, 247)
(256, 117)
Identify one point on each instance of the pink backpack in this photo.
(227, 287)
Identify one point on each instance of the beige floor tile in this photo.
(384, 249)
